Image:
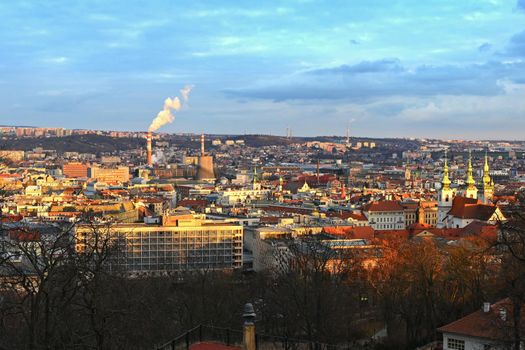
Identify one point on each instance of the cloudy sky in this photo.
(433, 68)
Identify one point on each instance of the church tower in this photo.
(471, 191)
(408, 173)
(488, 184)
(445, 196)
(256, 186)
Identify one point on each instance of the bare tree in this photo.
(313, 293)
(38, 279)
(511, 242)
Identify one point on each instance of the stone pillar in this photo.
(249, 342)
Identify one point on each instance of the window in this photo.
(455, 344)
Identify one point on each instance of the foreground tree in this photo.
(511, 245)
(38, 282)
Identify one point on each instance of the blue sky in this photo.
(433, 68)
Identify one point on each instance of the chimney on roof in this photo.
(503, 314)
(486, 307)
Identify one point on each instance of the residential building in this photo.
(385, 215)
(491, 327)
(75, 170)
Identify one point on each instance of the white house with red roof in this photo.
(491, 327)
(465, 211)
(385, 215)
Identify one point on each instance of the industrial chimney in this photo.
(205, 170)
(148, 147)
(202, 145)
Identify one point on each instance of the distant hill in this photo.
(74, 143)
(104, 143)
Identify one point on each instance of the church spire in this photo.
(486, 170)
(445, 196)
(471, 191)
(488, 183)
(256, 186)
(446, 180)
(470, 179)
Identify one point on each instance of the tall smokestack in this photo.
(202, 145)
(317, 169)
(148, 147)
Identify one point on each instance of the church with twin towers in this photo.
(459, 207)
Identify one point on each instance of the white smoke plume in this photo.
(159, 157)
(165, 116)
(185, 93)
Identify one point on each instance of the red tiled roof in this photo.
(213, 346)
(312, 179)
(11, 218)
(480, 229)
(470, 208)
(193, 203)
(351, 232)
(487, 325)
(9, 176)
(383, 206)
(24, 235)
(389, 234)
(269, 219)
(347, 214)
(419, 226)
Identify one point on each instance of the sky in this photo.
(435, 68)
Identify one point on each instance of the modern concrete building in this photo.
(120, 174)
(169, 244)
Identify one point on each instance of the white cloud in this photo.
(57, 60)
(481, 110)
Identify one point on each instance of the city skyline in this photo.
(388, 71)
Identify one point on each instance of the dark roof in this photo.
(193, 203)
(481, 229)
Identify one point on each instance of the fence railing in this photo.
(234, 338)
